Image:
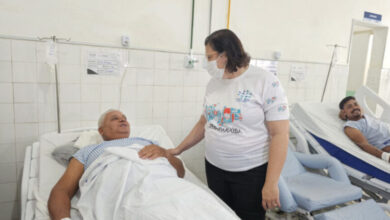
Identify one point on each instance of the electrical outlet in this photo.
(125, 41)
(189, 61)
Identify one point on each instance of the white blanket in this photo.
(120, 185)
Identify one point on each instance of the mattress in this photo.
(49, 171)
(322, 122)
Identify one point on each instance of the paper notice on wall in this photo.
(269, 65)
(297, 72)
(51, 53)
(104, 63)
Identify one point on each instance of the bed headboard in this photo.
(363, 94)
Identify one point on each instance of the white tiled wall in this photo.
(157, 89)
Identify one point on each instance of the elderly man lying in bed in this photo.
(370, 134)
(128, 178)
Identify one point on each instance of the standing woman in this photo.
(245, 126)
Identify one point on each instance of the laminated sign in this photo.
(104, 63)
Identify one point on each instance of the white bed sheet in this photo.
(50, 170)
(322, 120)
(30, 209)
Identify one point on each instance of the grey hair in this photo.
(103, 116)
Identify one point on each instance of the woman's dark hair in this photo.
(226, 41)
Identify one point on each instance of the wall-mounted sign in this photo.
(372, 17)
(104, 63)
(298, 72)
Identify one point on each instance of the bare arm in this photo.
(64, 190)
(177, 164)
(194, 137)
(358, 138)
(279, 133)
(153, 151)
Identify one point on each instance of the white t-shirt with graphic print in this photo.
(236, 110)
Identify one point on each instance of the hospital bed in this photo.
(316, 186)
(41, 171)
(320, 126)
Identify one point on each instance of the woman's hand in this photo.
(270, 196)
(174, 151)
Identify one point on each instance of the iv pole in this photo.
(335, 46)
(190, 60)
(55, 40)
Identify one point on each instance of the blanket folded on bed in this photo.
(120, 185)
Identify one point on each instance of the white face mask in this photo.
(213, 69)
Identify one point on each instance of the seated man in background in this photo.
(115, 131)
(370, 134)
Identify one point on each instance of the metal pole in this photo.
(327, 77)
(228, 16)
(55, 40)
(211, 13)
(58, 101)
(192, 24)
(57, 94)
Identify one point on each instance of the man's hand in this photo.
(152, 152)
(342, 115)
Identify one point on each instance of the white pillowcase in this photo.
(88, 138)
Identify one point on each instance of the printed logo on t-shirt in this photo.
(275, 84)
(228, 115)
(244, 95)
(271, 100)
(282, 108)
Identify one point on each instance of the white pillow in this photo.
(88, 138)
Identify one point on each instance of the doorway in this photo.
(365, 57)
